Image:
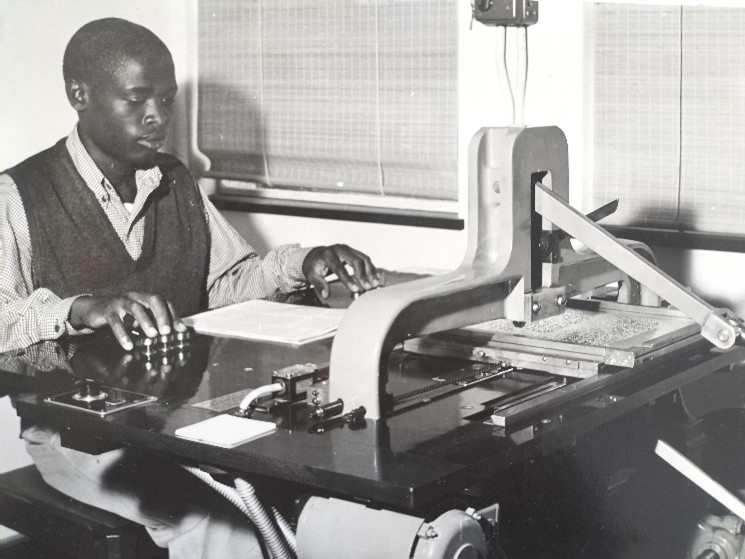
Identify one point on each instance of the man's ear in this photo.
(77, 94)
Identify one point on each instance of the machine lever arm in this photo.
(719, 326)
(550, 240)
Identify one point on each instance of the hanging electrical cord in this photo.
(244, 497)
(521, 15)
(521, 74)
(503, 75)
(514, 95)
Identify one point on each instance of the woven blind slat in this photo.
(669, 116)
(333, 95)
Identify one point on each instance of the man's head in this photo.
(97, 50)
(120, 78)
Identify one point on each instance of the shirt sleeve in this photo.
(237, 272)
(27, 315)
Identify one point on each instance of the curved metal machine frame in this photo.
(500, 276)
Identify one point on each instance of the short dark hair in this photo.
(98, 48)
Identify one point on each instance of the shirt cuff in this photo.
(294, 265)
(64, 307)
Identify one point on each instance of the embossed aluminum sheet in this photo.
(576, 343)
(578, 326)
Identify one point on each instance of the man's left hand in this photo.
(325, 260)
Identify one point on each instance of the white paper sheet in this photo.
(226, 430)
(268, 321)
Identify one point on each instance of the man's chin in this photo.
(145, 161)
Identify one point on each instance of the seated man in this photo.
(102, 230)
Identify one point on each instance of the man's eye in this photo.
(168, 101)
(135, 101)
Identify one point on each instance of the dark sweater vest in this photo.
(77, 251)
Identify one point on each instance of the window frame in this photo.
(244, 195)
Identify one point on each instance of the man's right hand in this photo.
(153, 314)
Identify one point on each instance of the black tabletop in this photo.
(408, 460)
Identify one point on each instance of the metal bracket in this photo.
(545, 302)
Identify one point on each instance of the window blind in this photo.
(669, 116)
(333, 95)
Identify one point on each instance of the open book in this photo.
(268, 321)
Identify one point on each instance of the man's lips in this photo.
(153, 143)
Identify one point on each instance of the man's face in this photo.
(126, 118)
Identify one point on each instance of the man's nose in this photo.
(156, 113)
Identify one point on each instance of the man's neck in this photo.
(121, 177)
(123, 181)
(126, 188)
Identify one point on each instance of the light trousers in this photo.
(178, 510)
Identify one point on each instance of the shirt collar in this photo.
(145, 179)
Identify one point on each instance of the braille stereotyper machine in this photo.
(534, 323)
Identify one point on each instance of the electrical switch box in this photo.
(511, 13)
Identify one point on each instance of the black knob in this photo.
(89, 390)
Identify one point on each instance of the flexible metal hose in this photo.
(225, 490)
(244, 497)
(262, 521)
(286, 530)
